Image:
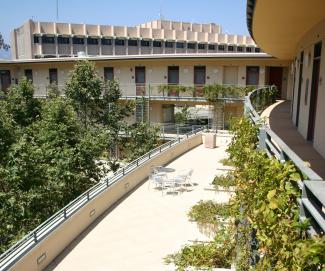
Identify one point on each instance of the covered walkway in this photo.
(145, 226)
(279, 118)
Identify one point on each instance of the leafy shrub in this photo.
(224, 180)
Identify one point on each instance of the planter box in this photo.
(210, 140)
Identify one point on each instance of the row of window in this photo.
(144, 43)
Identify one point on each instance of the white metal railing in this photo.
(28, 242)
(312, 201)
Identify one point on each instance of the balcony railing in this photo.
(312, 200)
(166, 92)
(32, 239)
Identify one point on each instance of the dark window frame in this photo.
(169, 44)
(132, 43)
(145, 43)
(48, 40)
(157, 44)
(196, 70)
(53, 71)
(201, 46)
(231, 48)
(78, 40)
(105, 41)
(173, 71)
(29, 74)
(211, 47)
(180, 45)
(221, 47)
(36, 39)
(191, 45)
(92, 41)
(63, 40)
(119, 42)
(240, 49)
(108, 73)
(248, 49)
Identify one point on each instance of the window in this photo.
(257, 50)
(92, 41)
(169, 44)
(212, 47)
(248, 49)
(180, 45)
(173, 75)
(108, 73)
(230, 48)
(221, 47)
(132, 43)
(201, 46)
(78, 40)
(239, 49)
(46, 39)
(191, 46)
(140, 75)
(145, 43)
(36, 39)
(156, 43)
(119, 42)
(29, 74)
(53, 76)
(63, 40)
(230, 75)
(199, 75)
(106, 42)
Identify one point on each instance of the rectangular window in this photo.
(173, 75)
(248, 49)
(132, 43)
(221, 47)
(145, 43)
(169, 44)
(119, 42)
(199, 75)
(201, 46)
(36, 39)
(156, 43)
(257, 50)
(191, 46)
(230, 48)
(29, 74)
(92, 41)
(108, 73)
(180, 45)
(212, 47)
(46, 39)
(53, 76)
(63, 40)
(106, 42)
(239, 49)
(76, 40)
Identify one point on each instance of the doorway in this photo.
(199, 80)
(299, 87)
(275, 78)
(140, 80)
(252, 75)
(314, 91)
(5, 80)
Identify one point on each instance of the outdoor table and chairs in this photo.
(165, 178)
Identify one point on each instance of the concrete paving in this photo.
(146, 225)
(279, 118)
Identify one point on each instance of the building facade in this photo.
(50, 39)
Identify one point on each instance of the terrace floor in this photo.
(279, 118)
(146, 226)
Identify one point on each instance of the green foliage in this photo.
(225, 180)
(207, 212)
(84, 88)
(217, 254)
(7, 132)
(226, 162)
(21, 104)
(267, 196)
(53, 91)
(175, 89)
(182, 116)
(143, 138)
(214, 92)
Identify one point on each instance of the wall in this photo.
(76, 224)
(316, 34)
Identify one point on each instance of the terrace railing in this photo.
(312, 199)
(33, 238)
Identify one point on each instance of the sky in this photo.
(230, 14)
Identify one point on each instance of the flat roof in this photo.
(143, 57)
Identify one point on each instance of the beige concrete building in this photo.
(298, 35)
(142, 59)
(50, 39)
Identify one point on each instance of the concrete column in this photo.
(113, 44)
(151, 47)
(41, 45)
(126, 46)
(139, 47)
(163, 47)
(86, 46)
(71, 46)
(56, 46)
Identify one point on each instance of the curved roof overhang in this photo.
(277, 26)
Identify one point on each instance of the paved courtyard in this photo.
(146, 226)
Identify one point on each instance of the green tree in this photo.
(84, 88)
(182, 116)
(143, 138)
(23, 107)
(7, 134)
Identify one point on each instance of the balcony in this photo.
(122, 218)
(279, 138)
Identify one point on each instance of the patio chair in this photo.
(183, 178)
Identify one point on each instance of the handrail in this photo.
(30, 240)
(311, 202)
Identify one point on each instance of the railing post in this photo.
(35, 236)
(262, 138)
(177, 129)
(88, 197)
(123, 171)
(65, 213)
